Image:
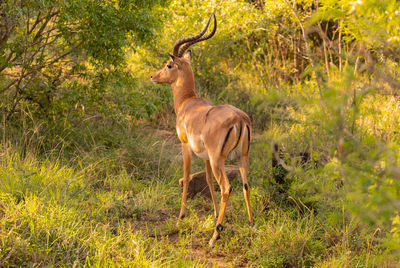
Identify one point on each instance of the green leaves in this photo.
(48, 45)
(106, 28)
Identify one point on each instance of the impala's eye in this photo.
(169, 66)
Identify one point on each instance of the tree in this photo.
(43, 44)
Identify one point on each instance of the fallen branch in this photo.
(198, 182)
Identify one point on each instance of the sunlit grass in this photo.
(98, 215)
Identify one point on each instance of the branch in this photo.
(8, 60)
(284, 38)
(7, 30)
(47, 19)
(8, 86)
(314, 64)
(29, 31)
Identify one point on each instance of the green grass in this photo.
(72, 214)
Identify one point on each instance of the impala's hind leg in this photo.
(211, 186)
(243, 167)
(218, 169)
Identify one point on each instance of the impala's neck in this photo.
(183, 89)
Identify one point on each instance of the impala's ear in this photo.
(188, 55)
(172, 57)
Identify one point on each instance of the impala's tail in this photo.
(236, 140)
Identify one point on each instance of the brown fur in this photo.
(202, 129)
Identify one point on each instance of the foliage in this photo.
(90, 164)
(47, 46)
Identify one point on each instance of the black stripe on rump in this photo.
(226, 139)
(240, 135)
(248, 137)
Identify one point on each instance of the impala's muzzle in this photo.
(154, 77)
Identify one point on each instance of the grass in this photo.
(92, 214)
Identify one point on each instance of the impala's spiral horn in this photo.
(178, 52)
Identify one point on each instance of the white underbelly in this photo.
(203, 155)
(197, 147)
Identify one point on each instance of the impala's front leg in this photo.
(186, 154)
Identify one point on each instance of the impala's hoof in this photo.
(180, 217)
(216, 235)
(179, 222)
(211, 243)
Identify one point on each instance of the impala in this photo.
(213, 133)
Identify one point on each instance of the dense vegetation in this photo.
(89, 161)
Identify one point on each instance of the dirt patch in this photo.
(218, 260)
(154, 223)
(154, 220)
